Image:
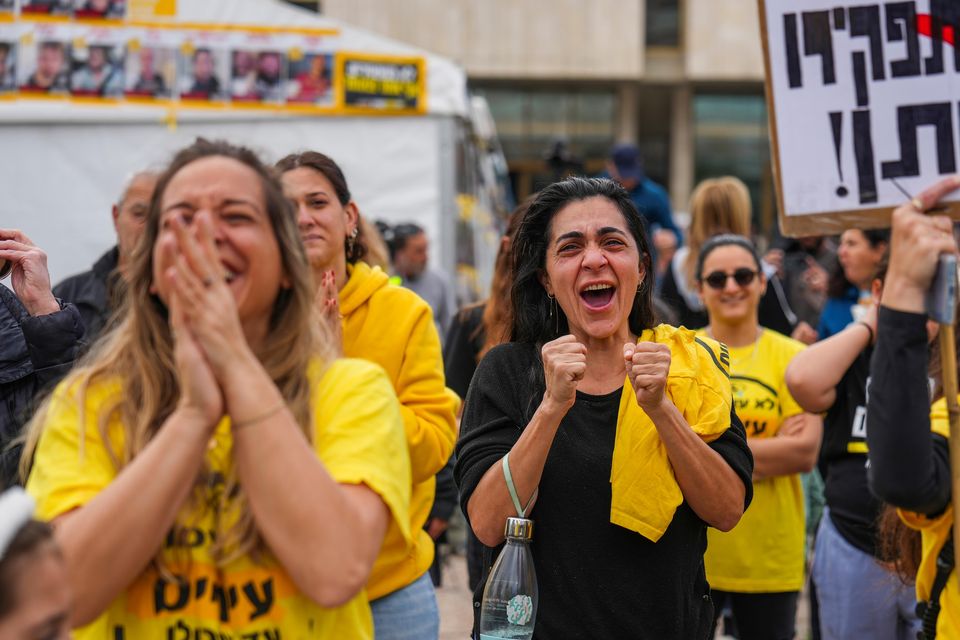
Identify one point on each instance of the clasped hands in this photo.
(209, 342)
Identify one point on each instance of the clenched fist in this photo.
(647, 365)
(564, 364)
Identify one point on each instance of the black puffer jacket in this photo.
(93, 293)
(35, 353)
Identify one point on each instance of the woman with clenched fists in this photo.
(621, 434)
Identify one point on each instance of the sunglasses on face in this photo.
(718, 279)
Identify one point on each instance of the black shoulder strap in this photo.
(929, 611)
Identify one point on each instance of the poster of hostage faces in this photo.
(47, 7)
(203, 74)
(217, 65)
(8, 66)
(311, 80)
(257, 76)
(44, 68)
(865, 106)
(84, 9)
(151, 72)
(97, 70)
(100, 8)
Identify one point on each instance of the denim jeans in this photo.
(409, 613)
(857, 597)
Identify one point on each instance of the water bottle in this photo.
(509, 605)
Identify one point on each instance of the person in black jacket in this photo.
(96, 292)
(39, 338)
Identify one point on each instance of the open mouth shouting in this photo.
(598, 296)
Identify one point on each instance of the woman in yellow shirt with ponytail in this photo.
(394, 328)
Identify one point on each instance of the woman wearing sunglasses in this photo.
(722, 205)
(757, 568)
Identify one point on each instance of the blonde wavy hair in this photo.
(718, 205)
(139, 354)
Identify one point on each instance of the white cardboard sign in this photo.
(864, 103)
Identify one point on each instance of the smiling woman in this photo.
(215, 433)
(587, 389)
(761, 589)
(393, 327)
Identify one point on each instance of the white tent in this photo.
(63, 164)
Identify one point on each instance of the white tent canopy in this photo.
(64, 164)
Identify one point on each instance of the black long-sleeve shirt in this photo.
(596, 579)
(909, 465)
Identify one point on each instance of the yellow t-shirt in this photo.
(764, 552)
(933, 534)
(359, 437)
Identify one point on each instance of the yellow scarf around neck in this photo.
(644, 492)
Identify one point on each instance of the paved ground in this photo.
(456, 617)
(455, 600)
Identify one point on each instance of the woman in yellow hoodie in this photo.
(394, 328)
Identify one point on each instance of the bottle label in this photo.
(519, 609)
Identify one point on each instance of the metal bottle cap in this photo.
(519, 529)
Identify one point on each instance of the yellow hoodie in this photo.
(394, 327)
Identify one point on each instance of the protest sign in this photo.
(864, 106)
(382, 83)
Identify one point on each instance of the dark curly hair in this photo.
(532, 323)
